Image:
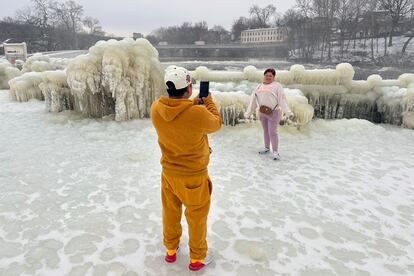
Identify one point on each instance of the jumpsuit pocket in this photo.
(197, 194)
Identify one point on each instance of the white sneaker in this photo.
(275, 155)
(195, 266)
(264, 151)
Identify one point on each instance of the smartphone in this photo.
(204, 89)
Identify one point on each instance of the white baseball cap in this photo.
(179, 76)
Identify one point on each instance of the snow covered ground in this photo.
(363, 53)
(82, 197)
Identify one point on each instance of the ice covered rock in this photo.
(7, 72)
(26, 87)
(41, 63)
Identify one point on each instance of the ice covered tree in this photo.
(120, 78)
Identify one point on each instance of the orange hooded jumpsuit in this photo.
(182, 127)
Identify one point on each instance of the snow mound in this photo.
(231, 106)
(298, 103)
(26, 87)
(41, 63)
(7, 72)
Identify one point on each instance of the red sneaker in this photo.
(171, 257)
(196, 265)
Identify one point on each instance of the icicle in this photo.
(117, 77)
(56, 91)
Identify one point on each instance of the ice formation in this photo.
(232, 106)
(123, 78)
(41, 63)
(7, 72)
(334, 94)
(117, 77)
(120, 78)
(298, 103)
(56, 91)
(37, 70)
(26, 87)
(408, 120)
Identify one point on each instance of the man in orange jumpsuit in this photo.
(182, 126)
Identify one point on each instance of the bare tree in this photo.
(262, 15)
(239, 25)
(410, 37)
(69, 15)
(290, 19)
(93, 26)
(398, 9)
(55, 25)
(219, 34)
(345, 13)
(38, 15)
(325, 10)
(306, 29)
(26, 15)
(9, 19)
(304, 7)
(42, 12)
(358, 8)
(186, 33)
(410, 33)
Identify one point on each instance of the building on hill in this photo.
(265, 35)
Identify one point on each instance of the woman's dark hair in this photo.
(175, 92)
(271, 70)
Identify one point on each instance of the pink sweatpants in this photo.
(270, 124)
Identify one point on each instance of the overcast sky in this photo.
(122, 17)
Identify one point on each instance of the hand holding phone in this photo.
(204, 89)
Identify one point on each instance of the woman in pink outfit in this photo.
(270, 94)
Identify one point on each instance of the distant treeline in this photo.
(42, 40)
(47, 25)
